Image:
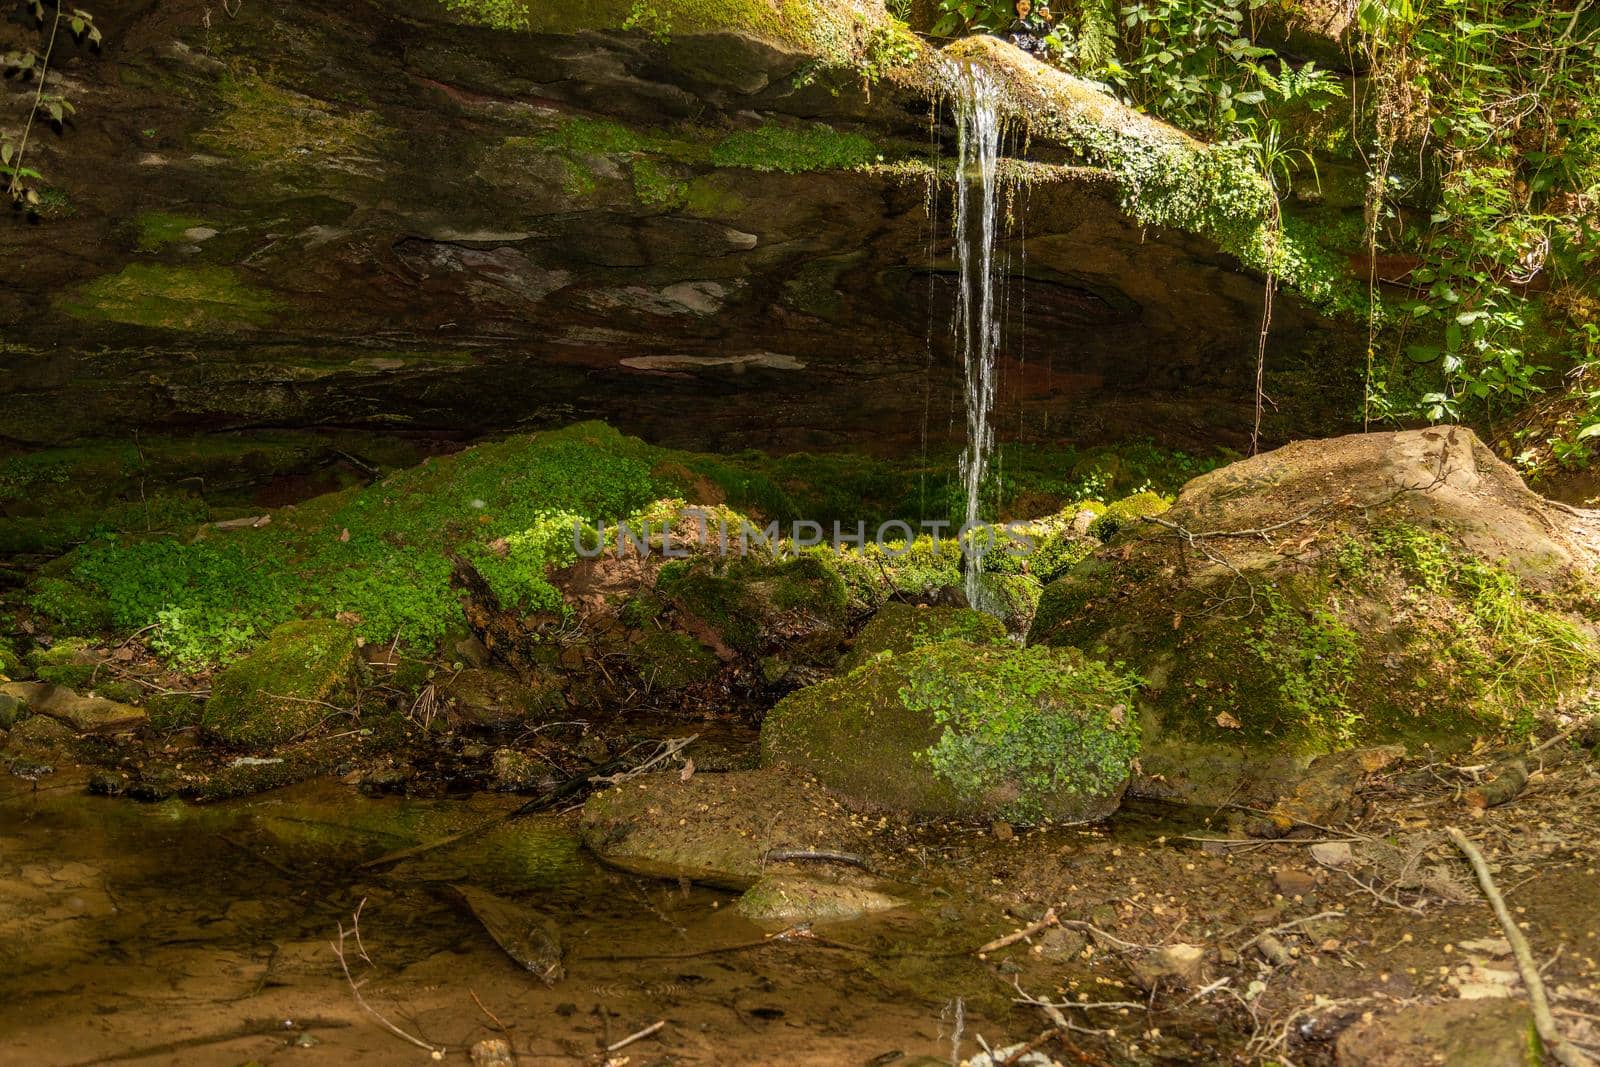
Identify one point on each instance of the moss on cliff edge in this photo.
(831, 30)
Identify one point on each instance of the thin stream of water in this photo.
(977, 321)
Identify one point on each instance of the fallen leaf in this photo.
(345, 535)
(687, 772)
(1228, 722)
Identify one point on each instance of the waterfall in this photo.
(977, 320)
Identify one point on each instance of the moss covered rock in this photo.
(496, 700)
(898, 628)
(68, 662)
(11, 664)
(755, 605)
(1125, 512)
(1371, 589)
(668, 660)
(958, 729)
(13, 709)
(284, 688)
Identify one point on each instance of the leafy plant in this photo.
(1498, 105)
(965, 16)
(23, 181)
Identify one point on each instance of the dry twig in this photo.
(438, 1052)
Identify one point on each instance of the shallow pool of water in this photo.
(171, 933)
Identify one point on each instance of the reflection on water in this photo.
(170, 933)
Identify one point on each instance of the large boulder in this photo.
(285, 687)
(965, 730)
(1395, 587)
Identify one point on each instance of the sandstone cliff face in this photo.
(709, 233)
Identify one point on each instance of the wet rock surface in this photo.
(514, 228)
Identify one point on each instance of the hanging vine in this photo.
(23, 181)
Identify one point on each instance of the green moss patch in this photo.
(68, 663)
(155, 230)
(382, 556)
(898, 628)
(192, 299)
(1126, 511)
(793, 150)
(284, 688)
(280, 130)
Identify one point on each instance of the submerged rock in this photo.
(792, 898)
(527, 935)
(716, 829)
(957, 729)
(285, 687)
(1372, 589)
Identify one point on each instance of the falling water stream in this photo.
(977, 312)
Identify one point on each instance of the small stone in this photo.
(1182, 963)
(472, 652)
(1332, 853)
(516, 772)
(493, 1052)
(1059, 945)
(109, 783)
(1293, 882)
(156, 783)
(787, 898)
(383, 781)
